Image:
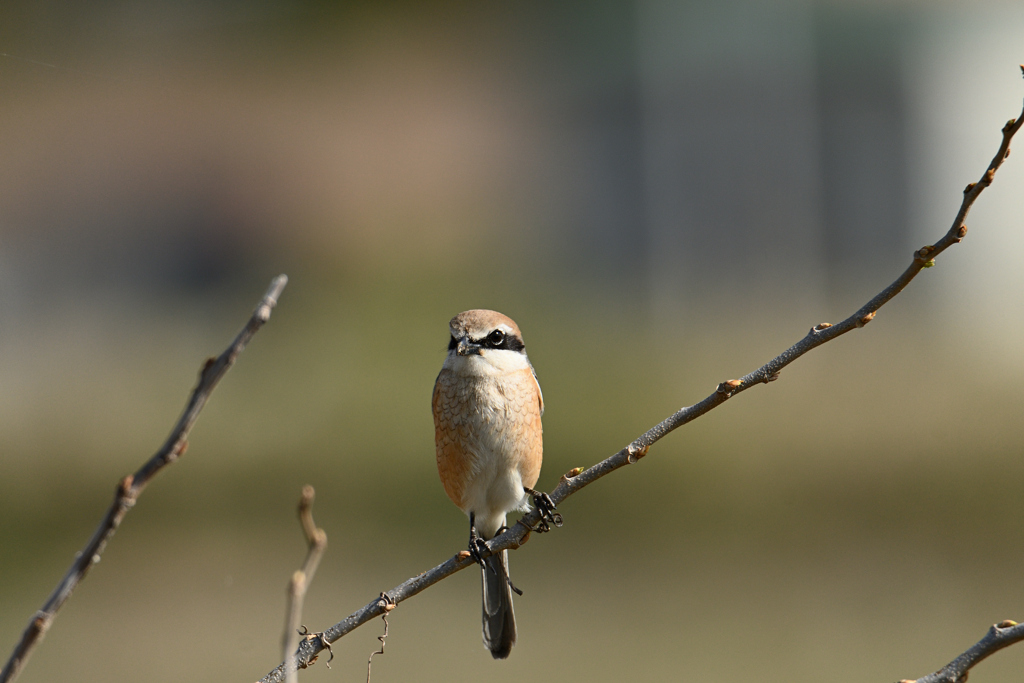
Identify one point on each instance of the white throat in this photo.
(490, 362)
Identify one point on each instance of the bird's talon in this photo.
(477, 549)
(548, 512)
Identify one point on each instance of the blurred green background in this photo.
(663, 196)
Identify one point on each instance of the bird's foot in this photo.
(477, 546)
(548, 512)
(477, 549)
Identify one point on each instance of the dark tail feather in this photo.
(499, 618)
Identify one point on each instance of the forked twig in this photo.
(297, 587)
(129, 488)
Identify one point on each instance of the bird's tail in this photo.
(499, 618)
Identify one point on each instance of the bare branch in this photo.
(1000, 635)
(317, 540)
(575, 480)
(129, 488)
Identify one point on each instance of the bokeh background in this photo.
(663, 194)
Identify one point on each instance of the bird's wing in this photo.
(540, 394)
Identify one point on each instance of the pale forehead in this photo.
(480, 321)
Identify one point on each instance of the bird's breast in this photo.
(486, 428)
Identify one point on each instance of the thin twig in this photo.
(317, 540)
(1000, 635)
(389, 605)
(129, 488)
(575, 480)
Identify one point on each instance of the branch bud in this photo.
(307, 497)
(970, 186)
(125, 486)
(210, 362)
(1006, 623)
(866, 319)
(386, 602)
(961, 233)
(125, 497)
(922, 253)
(634, 453)
(1009, 125)
(40, 623)
(177, 451)
(820, 326)
(990, 175)
(728, 387)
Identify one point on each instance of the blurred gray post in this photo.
(863, 123)
(775, 149)
(731, 158)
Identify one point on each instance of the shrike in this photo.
(487, 408)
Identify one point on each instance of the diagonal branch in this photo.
(129, 488)
(575, 480)
(1000, 635)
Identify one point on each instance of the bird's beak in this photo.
(467, 348)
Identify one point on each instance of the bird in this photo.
(487, 406)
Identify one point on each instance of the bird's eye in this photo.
(496, 338)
